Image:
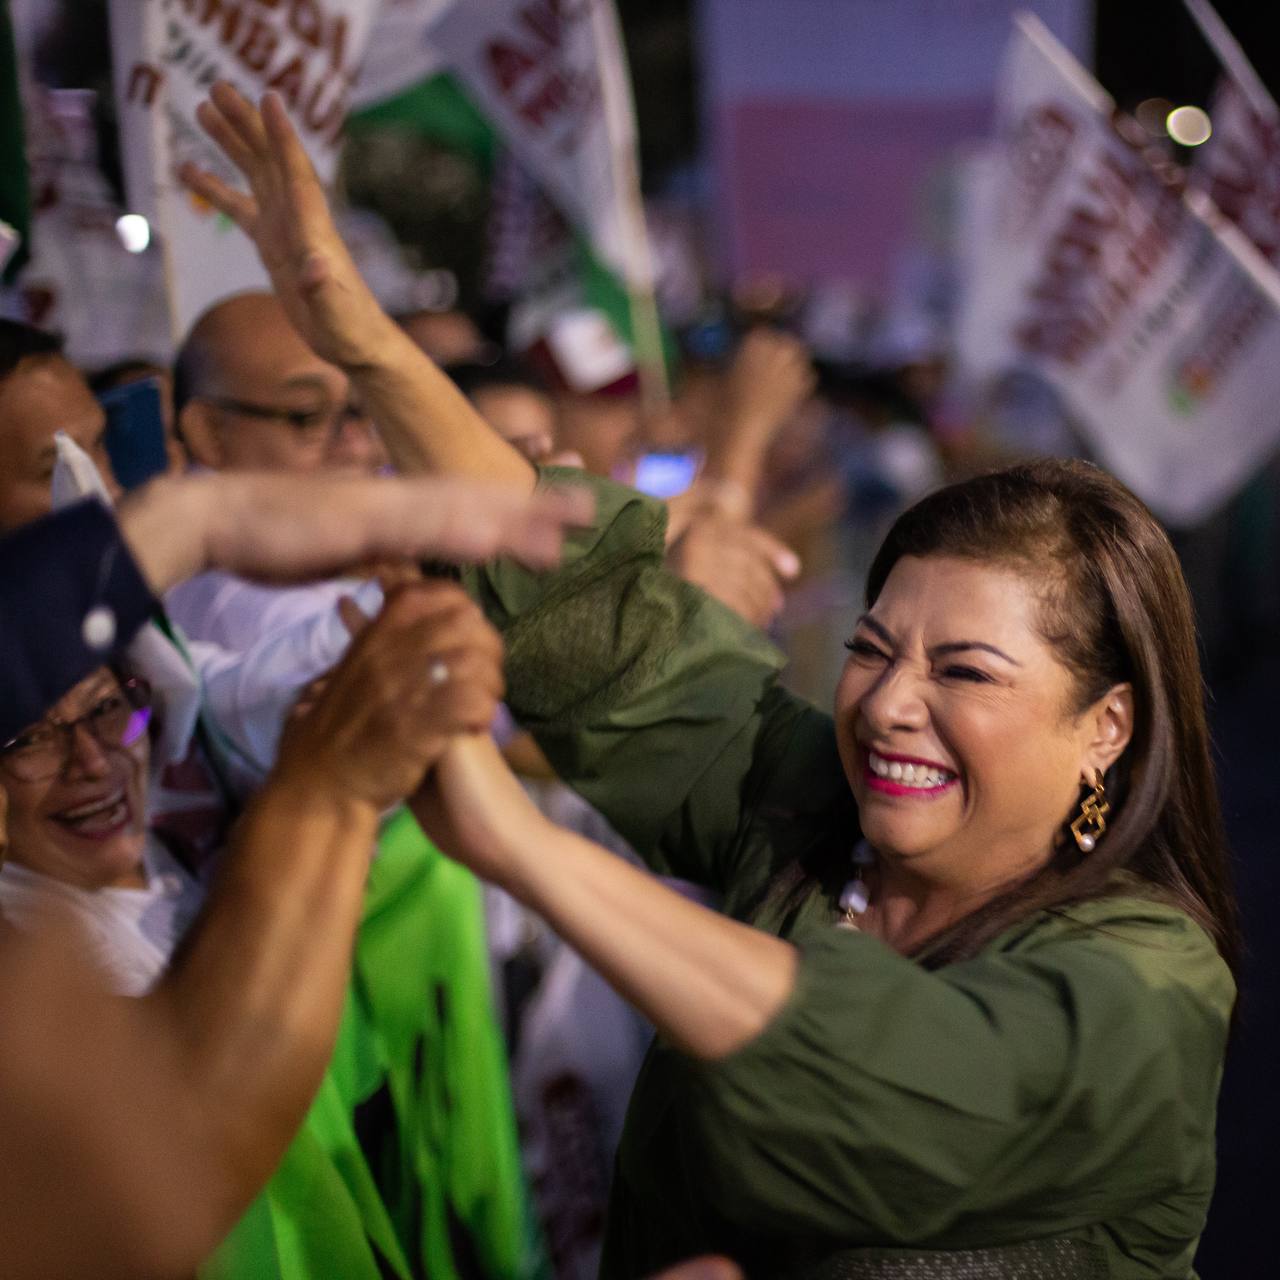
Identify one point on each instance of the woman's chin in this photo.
(901, 836)
(111, 863)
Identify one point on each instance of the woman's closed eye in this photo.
(863, 648)
(971, 674)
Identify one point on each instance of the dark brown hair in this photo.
(1115, 607)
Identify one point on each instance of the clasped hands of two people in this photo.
(406, 714)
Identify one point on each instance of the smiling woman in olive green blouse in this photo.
(963, 1012)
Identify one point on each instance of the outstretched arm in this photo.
(427, 424)
(79, 560)
(287, 528)
(134, 1133)
(262, 977)
(708, 983)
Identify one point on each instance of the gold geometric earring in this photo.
(1092, 822)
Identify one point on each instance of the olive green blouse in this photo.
(1062, 1084)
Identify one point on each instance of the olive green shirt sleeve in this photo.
(1060, 1079)
(648, 697)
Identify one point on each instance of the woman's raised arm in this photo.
(426, 422)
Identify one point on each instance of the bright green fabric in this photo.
(420, 1063)
(1062, 1083)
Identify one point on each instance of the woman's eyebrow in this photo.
(959, 646)
(878, 627)
(952, 646)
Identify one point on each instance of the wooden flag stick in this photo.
(1233, 58)
(619, 111)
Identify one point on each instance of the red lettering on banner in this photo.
(212, 10)
(536, 52)
(1039, 147)
(545, 19)
(1067, 338)
(1232, 181)
(1101, 256)
(318, 116)
(550, 98)
(289, 82)
(1241, 178)
(338, 43)
(257, 34)
(508, 64)
(259, 46)
(144, 83)
(306, 21)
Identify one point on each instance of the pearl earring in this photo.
(1092, 822)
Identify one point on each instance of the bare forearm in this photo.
(255, 995)
(165, 525)
(289, 527)
(735, 462)
(708, 983)
(427, 424)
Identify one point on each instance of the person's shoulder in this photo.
(1131, 932)
(797, 760)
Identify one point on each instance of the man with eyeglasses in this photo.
(251, 395)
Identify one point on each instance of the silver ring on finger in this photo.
(438, 672)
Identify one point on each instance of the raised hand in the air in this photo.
(286, 215)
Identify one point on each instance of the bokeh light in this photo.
(134, 232)
(1189, 126)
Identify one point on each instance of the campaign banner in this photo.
(166, 54)
(1154, 318)
(1238, 168)
(538, 70)
(401, 51)
(105, 299)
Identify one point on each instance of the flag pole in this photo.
(1233, 58)
(620, 125)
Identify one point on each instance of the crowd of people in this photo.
(390, 788)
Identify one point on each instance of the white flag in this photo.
(166, 54)
(1238, 168)
(1155, 319)
(402, 51)
(540, 72)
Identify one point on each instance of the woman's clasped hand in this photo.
(427, 668)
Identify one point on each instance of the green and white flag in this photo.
(550, 77)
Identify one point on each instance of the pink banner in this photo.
(823, 190)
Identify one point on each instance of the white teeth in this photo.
(911, 775)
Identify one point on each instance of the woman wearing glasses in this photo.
(77, 831)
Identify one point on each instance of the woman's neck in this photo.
(908, 905)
